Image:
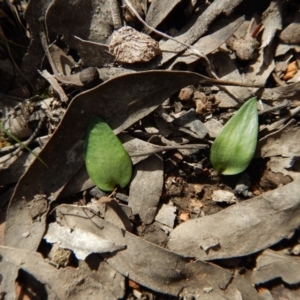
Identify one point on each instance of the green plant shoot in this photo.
(21, 144)
(107, 162)
(234, 147)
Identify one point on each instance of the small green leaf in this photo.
(235, 146)
(107, 162)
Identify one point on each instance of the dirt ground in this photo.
(139, 204)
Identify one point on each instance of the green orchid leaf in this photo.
(107, 162)
(234, 147)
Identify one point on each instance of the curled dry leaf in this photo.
(129, 46)
(291, 70)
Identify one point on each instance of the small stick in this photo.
(115, 13)
(165, 148)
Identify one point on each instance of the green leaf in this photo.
(235, 146)
(107, 162)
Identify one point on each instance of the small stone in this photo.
(89, 77)
(97, 193)
(223, 196)
(190, 121)
(26, 234)
(137, 294)
(59, 256)
(244, 47)
(214, 127)
(184, 216)
(243, 185)
(166, 215)
(130, 46)
(296, 250)
(198, 188)
(225, 101)
(207, 289)
(186, 93)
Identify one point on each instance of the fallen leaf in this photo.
(82, 243)
(241, 229)
(291, 70)
(272, 21)
(272, 265)
(284, 143)
(217, 35)
(148, 264)
(166, 215)
(17, 262)
(146, 187)
(290, 34)
(195, 29)
(158, 11)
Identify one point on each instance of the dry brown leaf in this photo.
(227, 70)
(284, 143)
(218, 34)
(158, 11)
(272, 265)
(281, 92)
(80, 242)
(291, 70)
(194, 30)
(272, 21)
(153, 266)
(48, 279)
(35, 12)
(59, 20)
(146, 187)
(241, 229)
(291, 33)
